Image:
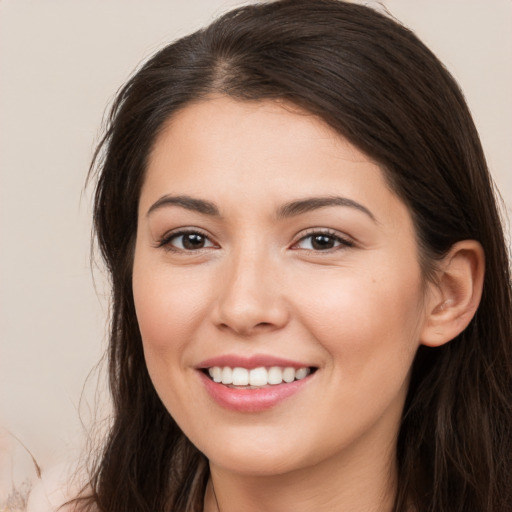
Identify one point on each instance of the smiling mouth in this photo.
(256, 378)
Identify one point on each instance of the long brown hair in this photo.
(374, 82)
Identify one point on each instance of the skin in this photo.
(356, 312)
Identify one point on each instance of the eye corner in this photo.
(186, 241)
(322, 240)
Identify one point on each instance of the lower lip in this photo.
(252, 400)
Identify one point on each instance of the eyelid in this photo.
(164, 241)
(345, 240)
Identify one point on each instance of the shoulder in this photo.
(54, 492)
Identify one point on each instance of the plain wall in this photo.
(61, 62)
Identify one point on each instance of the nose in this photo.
(251, 297)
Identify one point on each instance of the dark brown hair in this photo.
(374, 82)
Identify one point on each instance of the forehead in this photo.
(257, 153)
(224, 122)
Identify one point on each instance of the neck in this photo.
(354, 483)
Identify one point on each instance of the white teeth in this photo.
(227, 375)
(275, 375)
(301, 373)
(216, 374)
(257, 377)
(240, 377)
(289, 374)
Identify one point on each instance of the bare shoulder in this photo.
(56, 491)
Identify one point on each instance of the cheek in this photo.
(170, 308)
(169, 305)
(367, 320)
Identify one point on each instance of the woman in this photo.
(311, 290)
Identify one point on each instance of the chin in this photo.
(260, 454)
(255, 464)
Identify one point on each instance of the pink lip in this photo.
(250, 362)
(250, 400)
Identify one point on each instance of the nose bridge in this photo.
(250, 297)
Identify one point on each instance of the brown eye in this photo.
(187, 241)
(193, 241)
(322, 242)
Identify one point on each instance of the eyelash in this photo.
(165, 241)
(342, 242)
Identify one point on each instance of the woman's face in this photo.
(266, 241)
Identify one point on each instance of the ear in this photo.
(453, 299)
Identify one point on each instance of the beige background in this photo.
(61, 61)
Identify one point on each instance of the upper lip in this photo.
(250, 362)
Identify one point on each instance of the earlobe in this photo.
(454, 298)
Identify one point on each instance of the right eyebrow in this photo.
(187, 202)
(314, 203)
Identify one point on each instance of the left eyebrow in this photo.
(187, 202)
(314, 203)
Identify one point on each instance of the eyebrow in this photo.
(314, 203)
(187, 202)
(287, 210)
